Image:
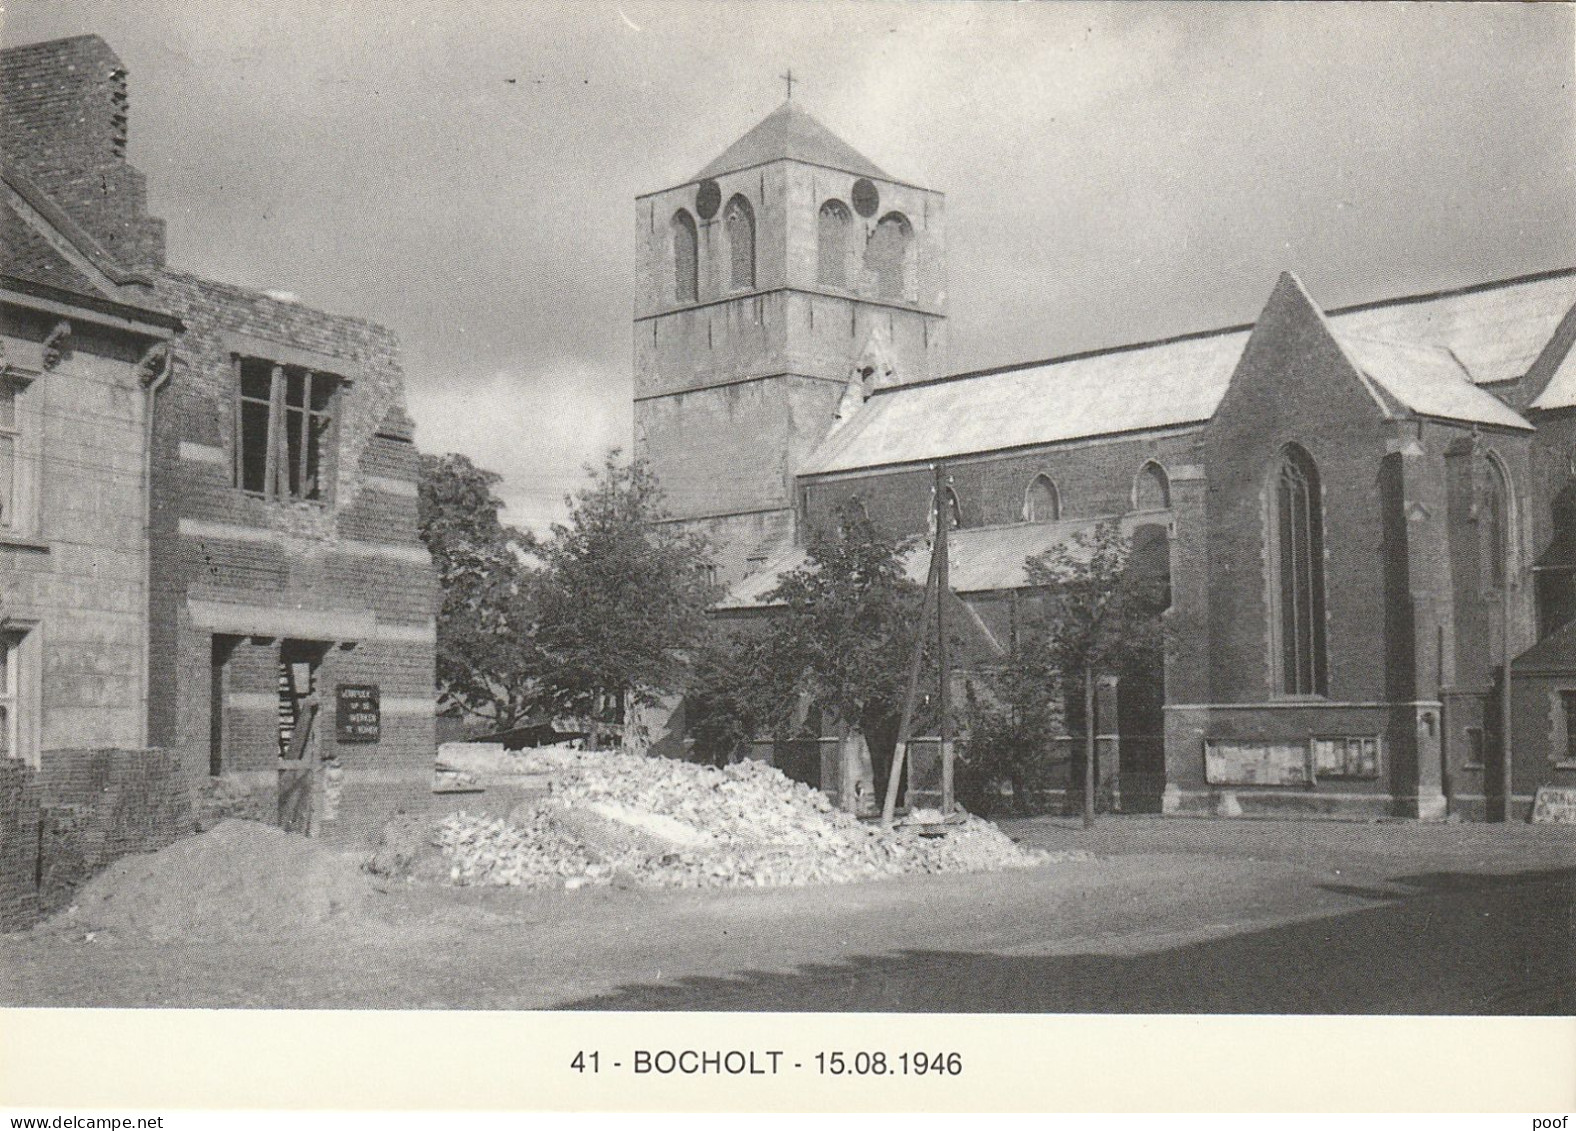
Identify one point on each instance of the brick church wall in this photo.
(1094, 479)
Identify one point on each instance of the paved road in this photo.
(1172, 916)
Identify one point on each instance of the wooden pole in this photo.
(1089, 748)
(899, 752)
(943, 659)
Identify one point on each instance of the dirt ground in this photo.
(1171, 916)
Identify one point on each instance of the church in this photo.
(1367, 514)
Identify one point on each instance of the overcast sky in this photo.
(1114, 172)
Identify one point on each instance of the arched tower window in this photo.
(886, 255)
(739, 223)
(685, 258)
(1298, 551)
(1151, 490)
(1042, 502)
(832, 245)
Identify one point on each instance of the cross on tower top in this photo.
(790, 80)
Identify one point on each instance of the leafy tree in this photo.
(732, 697)
(843, 641)
(1103, 618)
(622, 598)
(488, 662)
(1015, 713)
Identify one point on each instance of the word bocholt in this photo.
(694, 1062)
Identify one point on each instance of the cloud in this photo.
(539, 431)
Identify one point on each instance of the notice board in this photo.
(357, 717)
(1256, 763)
(1554, 806)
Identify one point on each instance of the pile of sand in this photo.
(239, 878)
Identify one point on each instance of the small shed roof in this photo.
(980, 559)
(1554, 653)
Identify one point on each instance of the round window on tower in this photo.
(708, 198)
(866, 198)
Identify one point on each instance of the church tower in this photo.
(784, 277)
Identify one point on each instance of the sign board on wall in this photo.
(1256, 763)
(1554, 806)
(357, 717)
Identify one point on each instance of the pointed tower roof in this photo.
(788, 132)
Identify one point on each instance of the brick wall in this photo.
(63, 118)
(348, 571)
(19, 817)
(1094, 478)
(136, 800)
(78, 813)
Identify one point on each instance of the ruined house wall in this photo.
(346, 572)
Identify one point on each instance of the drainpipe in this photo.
(152, 382)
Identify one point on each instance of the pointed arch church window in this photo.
(886, 255)
(1151, 490)
(1494, 528)
(686, 273)
(832, 245)
(1042, 502)
(954, 510)
(1298, 551)
(739, 223)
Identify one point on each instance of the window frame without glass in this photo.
(286, 428)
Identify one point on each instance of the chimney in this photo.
(63, 124)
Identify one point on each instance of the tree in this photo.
(841, 642)
(488, 662)
(1102, 618)
(622, 598)
(1015, 714)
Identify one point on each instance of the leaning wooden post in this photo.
(1089, 747)
(900, 751)
(943, 660)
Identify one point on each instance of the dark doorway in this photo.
(221, 649)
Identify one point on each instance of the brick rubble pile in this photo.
(679, 824)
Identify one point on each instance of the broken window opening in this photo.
(285, 429)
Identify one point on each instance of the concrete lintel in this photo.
(285, 353)
(300, 624)
(203, 453)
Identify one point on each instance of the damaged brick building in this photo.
(209, 511)
(1365, 514)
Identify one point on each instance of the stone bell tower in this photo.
(764, 284)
